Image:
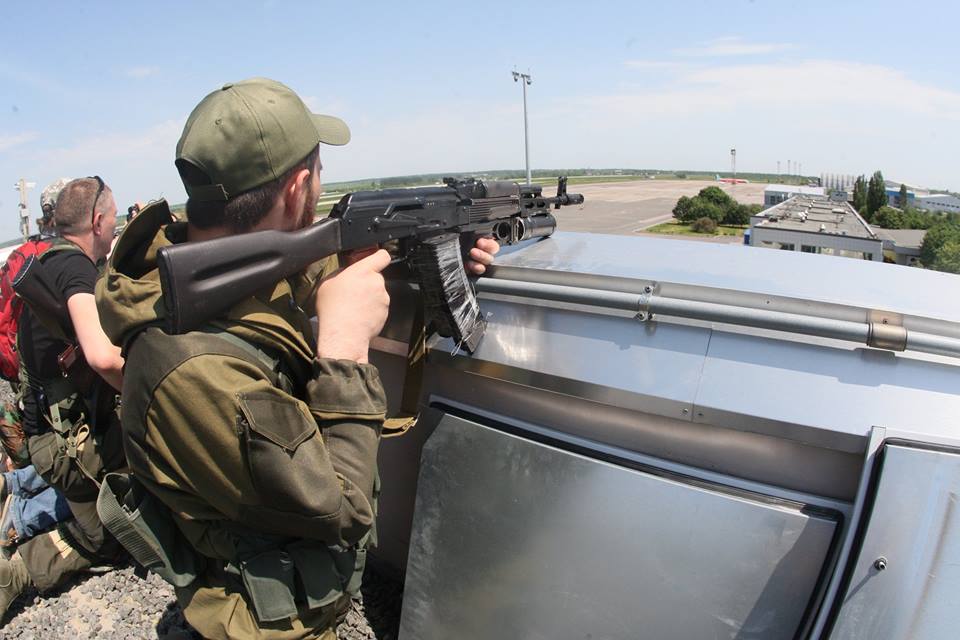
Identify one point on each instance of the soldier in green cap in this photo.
(253, 443)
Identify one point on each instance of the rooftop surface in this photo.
(793, 188)
(816, 214)
(793, 274)
(904, 238)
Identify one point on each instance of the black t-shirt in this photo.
(72, 272)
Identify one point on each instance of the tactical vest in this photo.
(277, 573)
(70, 407)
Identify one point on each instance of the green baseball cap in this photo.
(249, 133)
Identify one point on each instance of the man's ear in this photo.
(295, 193)
(97, 223)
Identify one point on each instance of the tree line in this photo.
(711, 207)
(941, 244)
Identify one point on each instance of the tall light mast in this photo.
(524, 79)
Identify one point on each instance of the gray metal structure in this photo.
(668, 439)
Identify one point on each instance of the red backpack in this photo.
(11, 306)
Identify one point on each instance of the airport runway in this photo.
(627, 208)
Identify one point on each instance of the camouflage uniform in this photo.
(48, 202)
(269, 483)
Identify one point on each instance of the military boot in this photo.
(13, 580)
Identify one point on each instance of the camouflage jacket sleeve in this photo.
(233, 447)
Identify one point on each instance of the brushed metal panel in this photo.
(516, 539)
(915, 527)
(838, 390)
(608, 351)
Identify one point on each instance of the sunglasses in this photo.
(100, 187)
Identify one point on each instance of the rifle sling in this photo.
(412, 381)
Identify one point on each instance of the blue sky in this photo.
(105, 88)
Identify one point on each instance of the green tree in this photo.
(916, 219)
(890, 218)
(937, 237)
(702, 208)
(903, 196)
(860, 193)
(681, 210)
(948, 257)
(738, 214)
(717, 196)
(876, 194)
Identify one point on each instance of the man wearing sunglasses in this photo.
(70, 417)
(257, 438)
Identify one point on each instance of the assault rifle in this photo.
(201, 280)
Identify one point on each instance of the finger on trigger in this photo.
(376, 261)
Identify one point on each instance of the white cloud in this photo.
(827, 114)
(732, 46)
(794, 87)
(141, 72)
(138, 165)
(16, 139)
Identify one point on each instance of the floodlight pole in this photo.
(517, 77)
(22, 186)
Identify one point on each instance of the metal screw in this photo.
(648, 289)
(880, 563)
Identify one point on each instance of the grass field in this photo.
(678, 229)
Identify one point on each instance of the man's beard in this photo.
(309, 209)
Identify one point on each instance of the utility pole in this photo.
(525, 79)
(778, 169)
(22, 186)
(733, 164)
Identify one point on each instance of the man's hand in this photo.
(481, 256)
(352, 307)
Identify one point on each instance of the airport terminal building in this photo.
(816, 224)
(774, 194)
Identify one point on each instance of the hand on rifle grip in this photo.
(481, 255)
(352, 306)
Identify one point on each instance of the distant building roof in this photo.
(816, 214)
(793, 188)
(903, 238)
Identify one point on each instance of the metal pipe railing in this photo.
(649, 303)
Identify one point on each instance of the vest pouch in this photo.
(282, 446)
(146, 528)
(321, 580)
(269, 580)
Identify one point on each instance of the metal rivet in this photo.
(686, 411)
(880, 563)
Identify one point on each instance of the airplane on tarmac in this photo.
(732, 180)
